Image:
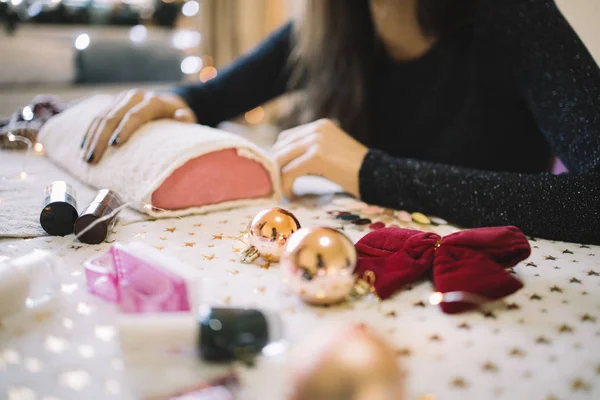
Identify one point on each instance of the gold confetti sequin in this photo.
(171, 230)
(490, 367)
(191, 233)
(516, 352)
(198, 225)
(420, 218)
(189, 244)
(588, 318)
(564, 328)
(574, 280)
(209, 257)
(579, 385)
(405, 352)
(459, 383)
(140, 235)
(556, 289)
(217, 237)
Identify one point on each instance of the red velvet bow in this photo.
(472, 262)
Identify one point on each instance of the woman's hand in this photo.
(319, 148)
(130, 110)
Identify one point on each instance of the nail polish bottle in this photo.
(217, 335)
(59, 211)
(105, 202)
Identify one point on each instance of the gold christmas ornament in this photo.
(267, 234)
(346, 362)
(318, 264)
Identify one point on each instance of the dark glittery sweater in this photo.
(468, 131)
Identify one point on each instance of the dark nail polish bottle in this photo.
(105, 202)
(60, 209)
(218, 335)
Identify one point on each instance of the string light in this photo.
(436, 298)
(82, 41)
(17, 138)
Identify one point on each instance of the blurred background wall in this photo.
(69, 47)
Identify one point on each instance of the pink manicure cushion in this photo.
(213, 178)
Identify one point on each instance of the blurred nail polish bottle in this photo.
(217, 335)
(59, 211)
(105, 202)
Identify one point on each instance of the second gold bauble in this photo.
(318, 264)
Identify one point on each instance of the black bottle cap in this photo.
(60, 209)
(228, 334)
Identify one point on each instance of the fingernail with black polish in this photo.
(90, 158)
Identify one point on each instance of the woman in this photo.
(450, 107)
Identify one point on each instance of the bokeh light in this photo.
(190, 8)
(138, 34)
(255, 116)
(82, 41)
(208, 73)
(191, 65)
(186, 39)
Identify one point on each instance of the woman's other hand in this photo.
(319, 148)
(130, 110)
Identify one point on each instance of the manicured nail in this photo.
(90, 157)
(83, 143)
(114, 141)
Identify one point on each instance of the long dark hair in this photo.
(335, 45)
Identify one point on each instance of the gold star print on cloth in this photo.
(550, 328)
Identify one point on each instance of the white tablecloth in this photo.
(541, 344)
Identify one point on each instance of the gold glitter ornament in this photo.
(345, 362)
(267, 234)
(318, 264)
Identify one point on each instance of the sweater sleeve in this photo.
(257, 77)
(560, 82)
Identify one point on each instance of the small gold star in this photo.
(391, 314)
(76, 247)
(575, 280)
(542, 340)
(159, 248)
(163, 238)
(260, 289)
(591, 272)
(435, 338)
(556, 289)
(237, 250)
(405, 352)
(517, 352)
(464, 325)
(217, 237)
(459, 383)
(191, 233)
(110, 241)
(419, 304)
(210, 246)
(520, 321)
(580, 385)
(564, 328)
(189, 244)
(587, 317)
(198, 225)
(531, 264)
(235, 272)
(223, 221)
(209, 257)
(551, 258)
(227, 300)
(584, 293)
(583, 246)
(567, 251)
(490, 367)
(266, 265)
(172, 230)
(140, 235)
(291, 310)
(535, 297)
(489, 314)
(513, 306)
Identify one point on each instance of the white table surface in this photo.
(544, 346)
